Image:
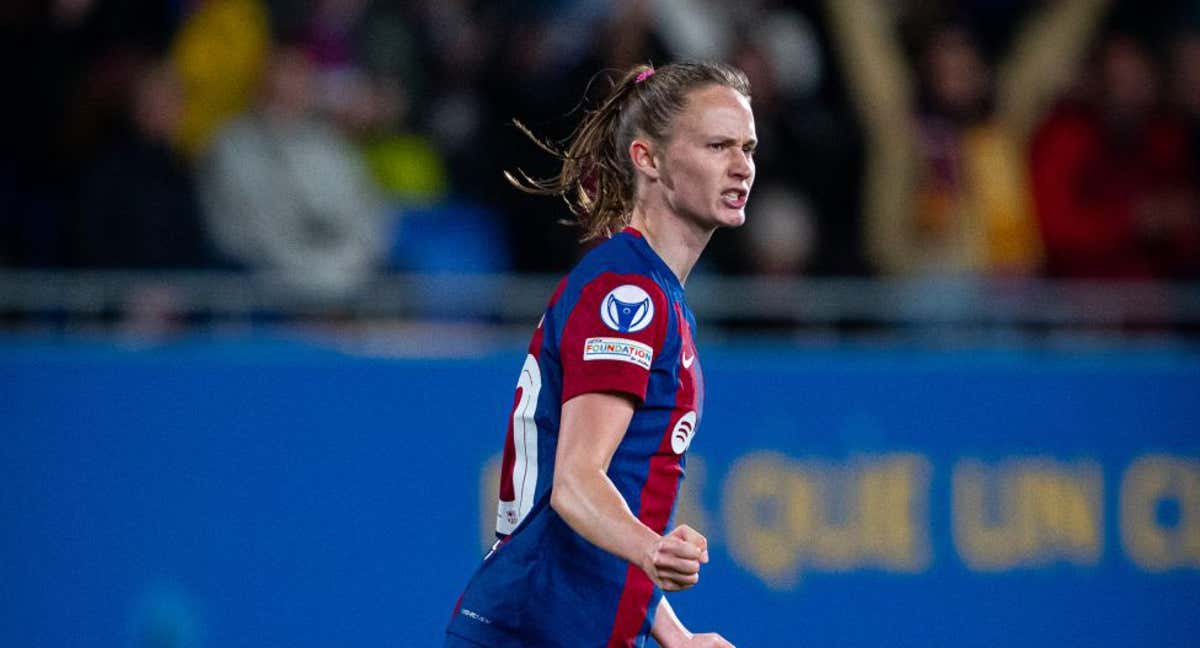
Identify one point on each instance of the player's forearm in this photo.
(668, 630)
(591, 505)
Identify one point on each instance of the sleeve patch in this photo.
(603, 348)
(627, 309)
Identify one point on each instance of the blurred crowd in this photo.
(323, 141)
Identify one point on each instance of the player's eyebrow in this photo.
(724, 139)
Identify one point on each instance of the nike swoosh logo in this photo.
(688, 360)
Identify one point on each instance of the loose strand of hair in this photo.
(589, 152)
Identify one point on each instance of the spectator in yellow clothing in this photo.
(946, 184)
(220, 54)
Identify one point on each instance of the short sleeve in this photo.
(612, 335)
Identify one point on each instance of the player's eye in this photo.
(717, 146)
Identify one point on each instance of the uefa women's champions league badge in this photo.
(627, 309)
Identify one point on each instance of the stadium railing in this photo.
(63, 300)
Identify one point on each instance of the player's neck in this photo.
(677, 241)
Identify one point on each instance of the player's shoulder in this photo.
(616, 262)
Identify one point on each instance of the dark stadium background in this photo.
(264, 294)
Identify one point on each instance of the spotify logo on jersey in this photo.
(685, 429)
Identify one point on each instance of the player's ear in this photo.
(642, 152)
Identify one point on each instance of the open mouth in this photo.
(735, 198)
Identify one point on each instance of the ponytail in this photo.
(596, 179)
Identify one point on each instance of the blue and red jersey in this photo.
(617, 323)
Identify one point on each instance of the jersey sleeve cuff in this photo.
(631, 380)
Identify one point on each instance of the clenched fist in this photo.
(673, 563)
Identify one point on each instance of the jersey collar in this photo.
(639, 242)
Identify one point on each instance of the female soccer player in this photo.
(611, 393)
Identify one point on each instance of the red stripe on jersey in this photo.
(458, 604)
(631, 609)
(658, 498)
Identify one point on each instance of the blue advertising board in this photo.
(270, 493)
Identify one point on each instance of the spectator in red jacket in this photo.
(1113, 178)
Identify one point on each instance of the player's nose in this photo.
(742, 166)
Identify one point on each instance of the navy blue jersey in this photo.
(617, 323)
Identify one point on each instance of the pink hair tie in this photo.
(643, 75)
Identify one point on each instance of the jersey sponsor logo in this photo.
(618, 349)
(685, 429)
(627, 309)
(688, 360)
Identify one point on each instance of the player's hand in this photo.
(707, 640)
(673, 562)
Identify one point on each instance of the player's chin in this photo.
(729, 217)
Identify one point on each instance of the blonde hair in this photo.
(596, 179)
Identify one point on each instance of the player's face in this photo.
(708, 163)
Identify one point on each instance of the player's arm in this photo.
(669, 632)
(591, 428)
